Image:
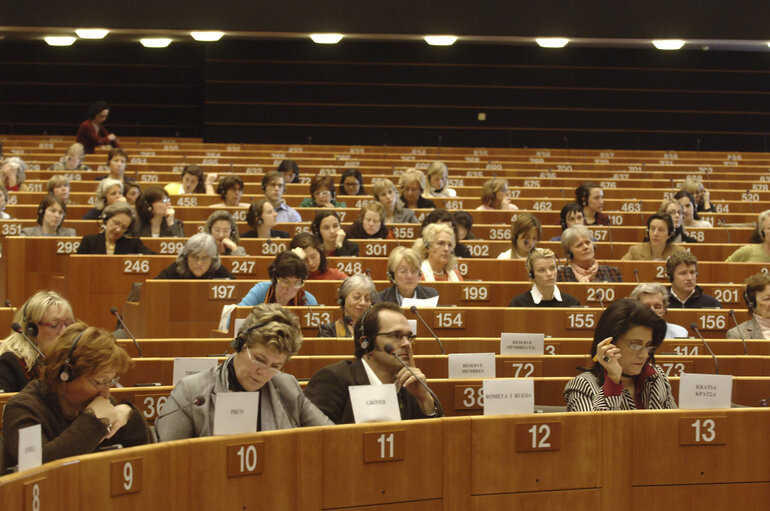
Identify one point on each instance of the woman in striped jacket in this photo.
(624, 375)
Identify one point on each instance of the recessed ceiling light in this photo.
(208, 35)
(552, 42)
(326, 38)
(155, 42)
(440, 40)
(53, 40)
(92, 33)
(668, 44)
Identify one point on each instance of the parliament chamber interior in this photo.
(609, 126)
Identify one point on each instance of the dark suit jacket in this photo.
(144, 229)
(96, 244)
(12, 375)
(389, 294)
(328, 390)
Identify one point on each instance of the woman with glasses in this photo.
(355, 295)
(287, 280)
(42, 319)
(118, 219)
(71, 402)
(221, 225)
(268, 338)
(404, 272)
(624, 375)
(199, 259)
(156, 215)
(321, 194)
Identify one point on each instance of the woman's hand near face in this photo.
(611, 352)
(340, 238)
(706, 196)
(229, 244)
(169, 215)
(300, 252)
(118, 418)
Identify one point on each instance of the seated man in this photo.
(655, 296)
(541, 268)
(682, 270)
(274, 184)
(382, 324)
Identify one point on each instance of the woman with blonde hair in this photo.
(436, 248)
(673, 209)
(701, 195)
(495, 195)
(412, 186)
(758, 248)
(438, 176)
(72, 159)
(386, 194)
(526, 231)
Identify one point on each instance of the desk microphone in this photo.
(8, 304)
(743, 339)
(612, 245)
(17, 328)
(388, 348)
(636, 275)
(197, 401)
(695, 328)
(414, 311)
(114, 312)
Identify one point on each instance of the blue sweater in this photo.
(257, 294)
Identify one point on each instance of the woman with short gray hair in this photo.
(582, 266)
(199, 259)
(354, 296)
(108, 192)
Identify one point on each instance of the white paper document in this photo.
(236, 412)
(374, 403)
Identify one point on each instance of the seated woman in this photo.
(757, 296)
(287, 278)
(442, 216)
(71, 399)
(42, 318)
(116, 162)
(193, 181)
(571, 214)
(308, 247)
(268, 338)
(436, 249)
(72, 160)
(656, 297)
(321, 194)
(199, 259)
(118, 219)
(695, 187)
(13, 171)
(230, 189)
(92, 133)
(758, 249)
(108, 192)
(50, 216)
(495, 195)
(59, 186)
(221, 225)
(624, 375)
(404, 272)
(351, 183)
(526, 231)
(326, 227)
(656, 245)
(438, 176)
(582, 266)
(3, 203)
(464, 223)
(395, 213)
(262, 217)
(289, 170)
(673, 209)
(355, 295)
(156, 215)
(541, 268)
(411, 183)
(689, 208)
(132, 191)
(370, 224)
(591, 197)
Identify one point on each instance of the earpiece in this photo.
(67, 371)
(260, 221)
(240, 339)
(391, 276)
(751, 302)
(31, 329)
(364, 341)
(569, 254)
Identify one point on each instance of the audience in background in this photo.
(230, 189)
(116, 162)
(193, 181)
(351, 183)
(13, 172)
(656, 297)
(221, 225)
(436, 249)
(656, 245)
(59, 187)
(132, 191)
(354, 296)
(412, 185)
(464, 223)
(438, 177)
(108, 192)
(571, 214)
(3, 203)
(156, 215)
(386, 193)
(674, 209)
(326, 226)
(591, 197)
(682, 271)
(118, 218)
(701, 195)
(262, 217)
(199, 259)
(370, 224)
(92, 133)
(404, 272)
(541, 270)
(496, 195)
(50, 216)
(442, 216)
(757, 297)
(289, 170)
(287, 280)
(274, 186)
(582, 266)
(690, 212)
(72, 160)
(309, 248)
(321, 194)
(526, 231)
(758, 249)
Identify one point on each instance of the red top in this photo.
(90, 139)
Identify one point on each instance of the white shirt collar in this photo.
(537, 296)
(373, 379)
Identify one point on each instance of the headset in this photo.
(31, 329)
(365, 342)
(41, 210)
(315, 226)
(67, 371)
(751, 302)
(240, 340)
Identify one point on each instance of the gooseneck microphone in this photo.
(388, 348)
(636, 275)
(737, 326)
(8, 304)
(17, 328)
(197, 401)
(114, 312)
(414, 311)
(695, 329)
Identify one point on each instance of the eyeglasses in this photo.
(164, 201)
(199, 259)
(223, 232)
(324, 194)
(407, 271)
(289, 283)
(59, 325)
(98, 385)
(260, 366)
(635, 346)
(398, 335)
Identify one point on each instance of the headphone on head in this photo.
(240, 340)
(67, 371)
(365, 342)
(31, 329)
(751, 302)
(41, 212)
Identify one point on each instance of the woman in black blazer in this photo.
(118, 219)
(404, 271)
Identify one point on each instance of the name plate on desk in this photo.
(30, 447)
(705, 391)
(374, 403)
(471, 365)
(236, 412)
(522, 344)
(508, 396)
(187, 366)
(420, 303)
